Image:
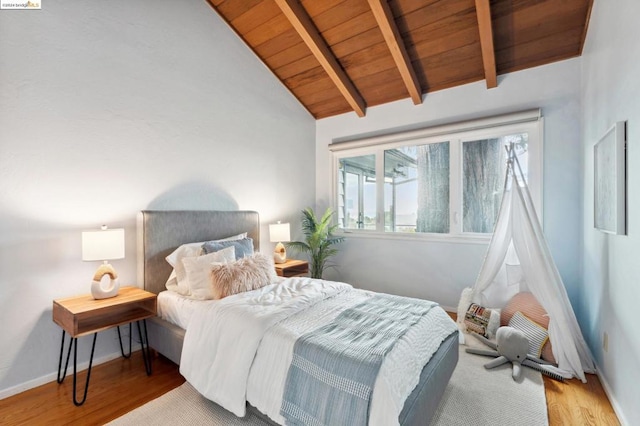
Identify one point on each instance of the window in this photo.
(483, 172)
(417, 188)
(357, 199)
(435, 182)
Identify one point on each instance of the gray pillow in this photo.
(244, 247)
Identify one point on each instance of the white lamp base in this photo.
(280, 254)
(98, 291)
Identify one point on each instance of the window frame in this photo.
(456, 134)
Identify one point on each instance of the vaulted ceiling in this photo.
(337, 56)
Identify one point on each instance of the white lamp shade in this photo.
(104, 244)
(279, 232)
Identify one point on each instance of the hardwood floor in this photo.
(116, 387)
(121, 385)
(577, 403)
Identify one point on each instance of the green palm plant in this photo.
(319, 240)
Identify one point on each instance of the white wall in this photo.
(107, 108)
(611, 290)
(436, 270)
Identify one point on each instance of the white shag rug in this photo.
(473, 396)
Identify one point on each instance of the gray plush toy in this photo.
(512, 346)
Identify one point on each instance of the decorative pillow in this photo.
(244, 247)
(547, 352)
(536, 334)
(198, 271)
(482, 320)
(172, 282)
(177, 279)
(191, 249)
(245, 274)
(529, 306)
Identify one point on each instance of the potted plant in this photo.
(319, 240)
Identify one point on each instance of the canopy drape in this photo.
(518, 259)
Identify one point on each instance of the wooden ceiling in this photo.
(337, 56)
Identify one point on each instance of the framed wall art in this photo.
(610, 181)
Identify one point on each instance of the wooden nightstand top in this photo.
(292, 268)
(82, 315)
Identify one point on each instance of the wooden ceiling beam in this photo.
(586, 26)
(387, 24)
(483, 12)
(301, 22)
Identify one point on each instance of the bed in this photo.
(160, 232)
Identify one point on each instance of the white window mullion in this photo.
(380, 190)
(455, 185)
(341, 185)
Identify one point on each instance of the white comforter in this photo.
(240, 348)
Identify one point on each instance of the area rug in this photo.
(474, 396)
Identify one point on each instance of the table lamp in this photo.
(279, 232)
(104, 244)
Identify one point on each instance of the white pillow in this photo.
(172, 282)
(175, 256)
(177, 281)
(198, 271)
(191, 249)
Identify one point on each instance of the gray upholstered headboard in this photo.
(161, 232)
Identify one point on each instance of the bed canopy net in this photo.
(518, 259)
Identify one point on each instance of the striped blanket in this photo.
(334, 368)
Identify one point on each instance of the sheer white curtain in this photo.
(518, 259)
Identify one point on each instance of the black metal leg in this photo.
(75, 356)
(61, 378)
(73, 342)
(144, 343)
(120, 340)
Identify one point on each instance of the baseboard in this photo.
(449, 308)
(6, 393)
(614, 403)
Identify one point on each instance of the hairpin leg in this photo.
(60, 378)
(75, 356)
(144, 343)
(120, 340)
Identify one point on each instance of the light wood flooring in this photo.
(121, 385)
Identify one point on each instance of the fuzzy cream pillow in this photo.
(245, 274)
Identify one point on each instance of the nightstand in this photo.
(292, 268)
(83, 315)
